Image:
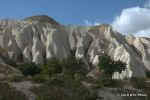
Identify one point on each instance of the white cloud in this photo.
(133, 20)
(143, 33)
(88, 23)
(97, 23)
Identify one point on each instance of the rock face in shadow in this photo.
(40, 37)
(41, 18)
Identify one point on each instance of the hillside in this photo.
(39, 59)
(37, 38)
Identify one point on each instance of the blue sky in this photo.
(125, 16)
(68, 11)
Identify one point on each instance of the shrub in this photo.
(52, 67)
(64, 88)
(102, 82)
(138, 82)
(141, 83)
(40, 78)
(7, 93)
(96, 83)
(107, 82)
(11, 62)
(29, 69)
(126, 78)
(108, 66)
(72, 66)
(16, 78)
(148, 74)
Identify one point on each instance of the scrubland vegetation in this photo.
(66, 79)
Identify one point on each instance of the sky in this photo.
(123, 15)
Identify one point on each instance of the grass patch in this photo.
(138, 83)
(11, 62)
(106, 82)
(103, 82)
(141, 83)
(64, 88)
(40, 78)
(16, 78)
(126, 92)
(7, 93)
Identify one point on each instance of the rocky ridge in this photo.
(39, 37)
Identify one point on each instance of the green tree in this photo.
(52, 67)
(29, 69)
(72, 66)
(108, 66)
(11, 62)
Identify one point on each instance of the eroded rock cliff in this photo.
(40, 37)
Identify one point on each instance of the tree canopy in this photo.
(109, 66)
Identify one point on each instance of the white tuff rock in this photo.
(40, 37)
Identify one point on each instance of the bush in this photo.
(64, 88)
(29, 69)
(16, 78)
(52, 67)
(148, 74)
(11, 62)
(39, 78)
(72, 66)
(102, 82)
(108, 66)
(107, 82)
(7, 93)
(68, 66)
(140, 83)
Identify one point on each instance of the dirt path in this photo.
(25, 87)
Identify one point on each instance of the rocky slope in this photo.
(39, 37)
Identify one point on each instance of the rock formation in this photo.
(39, 37)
